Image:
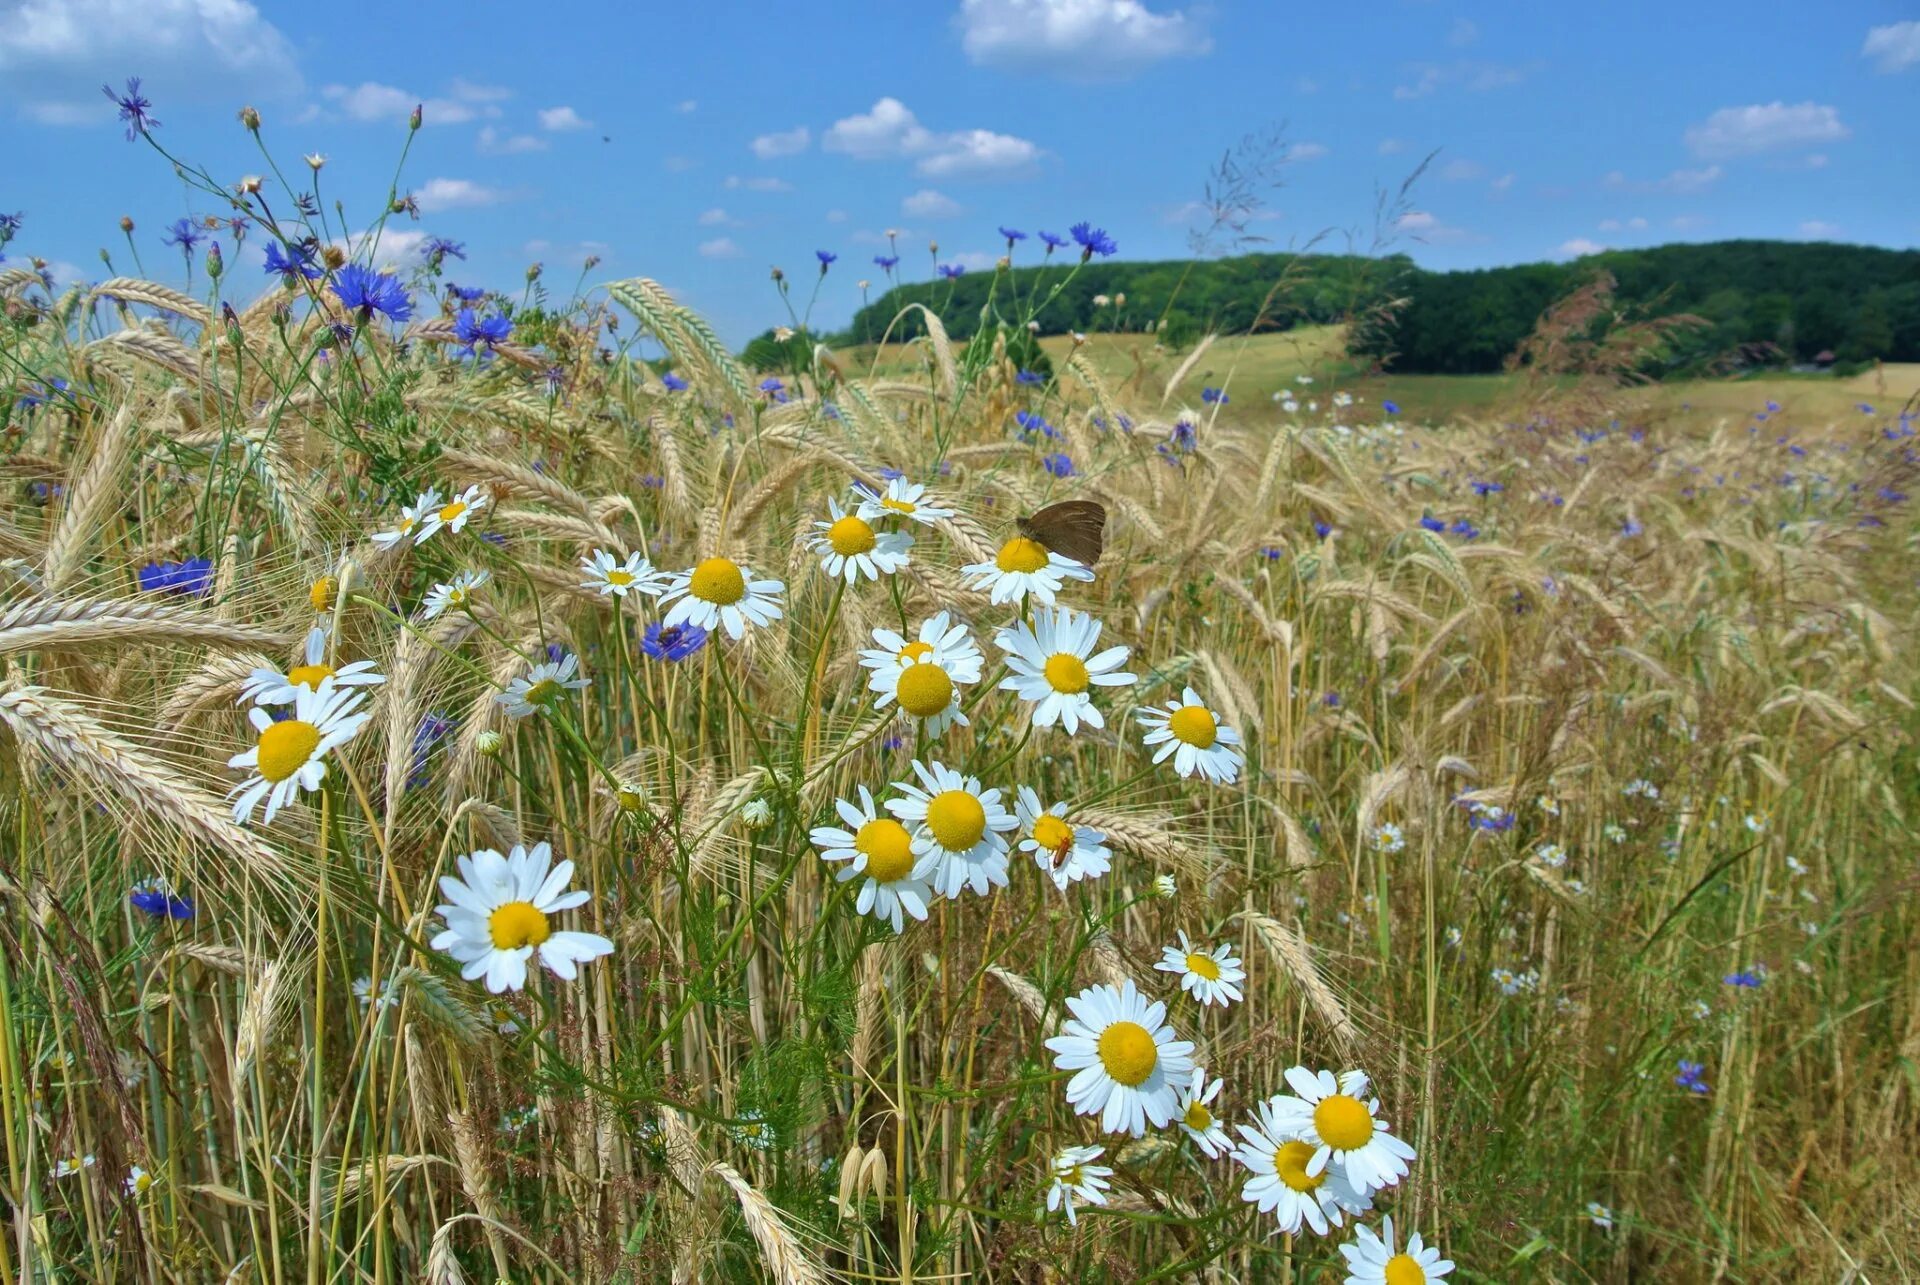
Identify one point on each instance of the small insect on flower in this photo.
(1076, 1179)
(411, 517)
(537, 690)
(1277, 1158)
(1055, 664)
(672, 643)
(1212, 977)
(1342, 1123)
(901, 499)
(611, 576)
(1195, 738)
(268, 686)
(849, 547)
(290, 756)
(453, 515)
(924, 676)
(1197, 1118)
(1126, 1057)
(959, 825)
(156, 897)
(499, 913)
(457, 595)
(1371, 1259)
(881, 849)
(1065, 852)
(721, 592)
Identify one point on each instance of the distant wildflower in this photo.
(826, 257)
(1322, 529)
(1390, 407)
(541, 687)
(454, 514)
(1212, 977)
(1196, 1118)
(1551, 855)
(1214, 396)
(266, 685)
(1431, 523)
(886, 262)
(612, 576)
(157, 898)
(455, 595)
(434, 727)
(466, 294)
(674, 383)
(1164, 887)
(186, 234)
(902, 499)
(1631, 528)
(1702, 1010)
(1029, 377)
(1491, 818)
(1512, 983)
(437, 249)
(134, 108)
(192, 578)
(1389, 838)
(1093, 241)
(1058, 465)
(953, 271)
(367, 292)
(1600, 1215)
(1754, 824)
(1011, 235)
(1641, 788)
(1747, 978)
(487, 331)
(1691, 1077)
(1483, 488)
(1190, 733)
(67, 1166)
(299, 264)
(41, 394)
(1465, 529)
(1053, 241)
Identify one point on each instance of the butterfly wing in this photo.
(1072, 528)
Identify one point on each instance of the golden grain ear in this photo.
(1072, 528)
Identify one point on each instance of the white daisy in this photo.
(452, 515)
(1195, 738)
(881, 849)
(137, 1181)
(71, 1165)
(268, 686)
(535, 691)
(454, 596)
(411, 516)
(611, 576)
(924, 676)
(500, 915)
(1371, 1260)
(1197, 1117)
(957, 824)
(901, 498)
(1212, 977)
(1024, 567)
(1067, 852)
(389, 996)
(1342, 1124)
(849, 547)
(720, 592)
(291, 755)
(1126, 1057)
(1280, 1184)
(1054, 664)
(1077, 1178)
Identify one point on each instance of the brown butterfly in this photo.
(1072, 528)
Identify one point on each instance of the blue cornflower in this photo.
(1865, 408)
(555, 653)
(186, 234)
(1213, 396)
(1431, 523)
(1052, 241)
(1331, 700)
(434, 727)
(652, 481)
(673, 642)
(1690, 1077)
(1093, 241)
(674, 383)
(1011, 235)
(1322, 529)
(9, 227)
(1484, 489)
(1892, 496)
(1031, 423)
(193, 578)
(1631, 528)
(1492, 819)
(287, 267)
(42, 394)
(1030, 377)
(1184, 438)
(825, 257)
(886, 262)
(953, 271)
(1464, 528)
(133, 108)
(773, 388)
(466, 294)
(157, 898)
(436, 248)
(1058, 465)
(893, 741)
(1747, 979)
(890, 474)
(1390, 407)
(1272, 552)
(362, 289)
(1773, 408)
(489, 331)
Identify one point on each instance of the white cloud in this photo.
(973, 260)
(1077, 39)
(759, 183)
(1307, 151)
(890, 131)
(686, 106)
(1502, 184)
(1391, 146)
(717, 218)
(1579, 248)
(557, 120)
(782, 143)
(1820, 230)
(567, 252)
(1762, 127)
(929, 204)
(398, 248)
(1635, 224)
(1680, 182)
(1477, 77)
(493, 143)
(372, 101)
(197, 48)
(1424, 226)
(438, 194)
(1463, 33)
(1461, 171)
(721, 247)
(1894, 47)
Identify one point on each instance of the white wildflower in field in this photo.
(720, 593)
(880, 850)
(1195, 738)
(411, 518)
(137, 1181)
(1343, 1124)
(850, 548)
(1389, 838)
(68, 1166)
(499, 916)
(266, 686)
(537, 690)
(1212, 977)
(1065, 852)
(1270, 1150)
(1371, 1259)
(958, 824)
(619, 577)
(1197, 1118)
(1077, 1180)
(1025, 569)
(452, 516)
(455, 595)
(924, 677)
(901, 499)
(1551, 855)
(1126, 1058)
(290, 755)
(1601, 1216)
(1055, 664)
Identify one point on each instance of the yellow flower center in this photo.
(517, 924)
(718, 580)
(1197, 1117)
(628, 798)
(322, 592)
(1290, 1162)
(956, 819)
(900, 506)
(1204, 966)
(309, 676)
(285, 748)
(888, 848)
(619, 578)
(1194, 724)
(1343, 1123)
(407, 523)
(544, 692)
(1021, 554)
(1128, 1052)
(1067, 673)
(141, 1184)
(1051, 833)
(915, 651)
(850, 535)
(1403, 1270)
(924, 689)
(452, 511)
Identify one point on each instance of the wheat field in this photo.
(1553, 769)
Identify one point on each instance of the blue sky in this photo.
(701, 144)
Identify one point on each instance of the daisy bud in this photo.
(863, 284)
(488, 744)
(248, 186)
(757, 814)
(1164, 887)
(782, 333)
(933, 248)
(315, 160)
(1120, 301)
(250, 118)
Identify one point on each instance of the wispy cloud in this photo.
(492, 142)
(756, 183)
(1820, 230)
(721, 247)
(1307, 151)
(890, 131)
(1681, 182)
(53, 52)
(929, 204)
(782, 143)
(686, 106)
(1424, 226)
(370, 101)
(1894, 47)
(1763, 127)
(1475, 77)
(1579, 248)
(558, 120)
(438, 194)
(1077, 39)
(1635, 224)
(717, 218)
